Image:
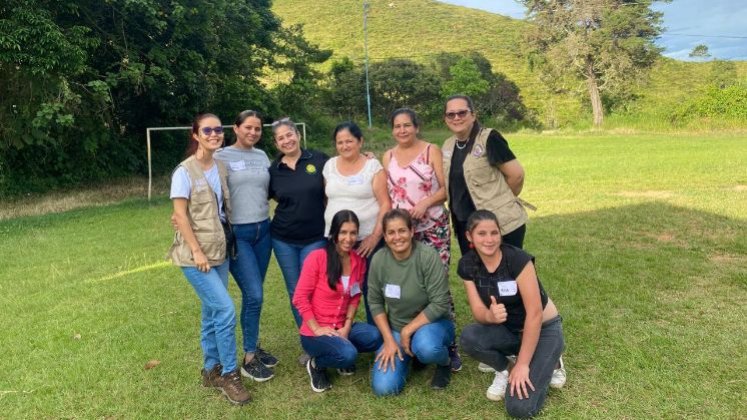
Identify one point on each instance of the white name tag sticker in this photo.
(355, 289)
(355, 180)
(238, 165)
(507, 288)
(392, 291)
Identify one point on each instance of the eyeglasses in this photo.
(280, 121)
(461, 114)
(209, 130)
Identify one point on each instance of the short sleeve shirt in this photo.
(354, 192)
(498, 153)
(501, 283)
(299, 215)
(181, 186)
(248, 181)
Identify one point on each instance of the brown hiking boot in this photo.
(210, 378)
(233, 388)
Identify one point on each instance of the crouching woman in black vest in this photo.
(514, 317)
(201, 207)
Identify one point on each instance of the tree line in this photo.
(82, 80)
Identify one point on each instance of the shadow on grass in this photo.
(652, 298)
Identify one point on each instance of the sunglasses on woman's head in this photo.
(209, 130)
(461, 114)
(280, 121)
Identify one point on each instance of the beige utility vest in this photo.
(202, 211)
(486, 184)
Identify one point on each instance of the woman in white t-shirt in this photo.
(354, 182)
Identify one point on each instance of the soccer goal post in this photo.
(302, 130)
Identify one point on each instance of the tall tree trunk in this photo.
(596, 100)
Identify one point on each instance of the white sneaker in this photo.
(558, 375)
(497, 390)
(482, 367)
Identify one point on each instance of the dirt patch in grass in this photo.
(646, 194)
(720, 258)
(93, 196)
(740, 188)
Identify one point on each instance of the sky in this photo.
(719, 24)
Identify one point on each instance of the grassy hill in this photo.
(420, 29)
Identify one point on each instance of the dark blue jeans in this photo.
(290, 258)
(490, 344)
(338, 352)
(253, 246)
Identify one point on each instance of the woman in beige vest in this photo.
(481, 173)
(200, 195)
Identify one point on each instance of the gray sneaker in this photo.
(256, 370)
(303, 358)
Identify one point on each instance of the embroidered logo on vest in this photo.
(310, 169)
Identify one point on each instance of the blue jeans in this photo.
(429, 344)
(253, 245)
(218, 331)
(338, 352)
(290, 258)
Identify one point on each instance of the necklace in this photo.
(461, 145)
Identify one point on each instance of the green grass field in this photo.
(641, 240)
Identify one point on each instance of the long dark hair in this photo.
(334, 264)
(193, 144)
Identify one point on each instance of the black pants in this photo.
(490, 344)
(515, 238)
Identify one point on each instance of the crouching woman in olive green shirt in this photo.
(408, 293)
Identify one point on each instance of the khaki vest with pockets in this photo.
(486, 184)
(202, 211)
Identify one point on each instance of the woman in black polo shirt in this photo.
(514, 317)
(297, 184)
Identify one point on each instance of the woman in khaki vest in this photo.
(481, 173)
(201, 207)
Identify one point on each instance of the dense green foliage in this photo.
(717, 103)
(400, 82)
(83, 79)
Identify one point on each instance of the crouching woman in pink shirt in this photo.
(327, 296)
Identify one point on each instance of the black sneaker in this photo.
(454, 358)
(441, 377)
(319, 380)
(348, 371)
(266, 358)
(417, 365)
(256, 370)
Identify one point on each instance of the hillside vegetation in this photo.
(420, 29)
